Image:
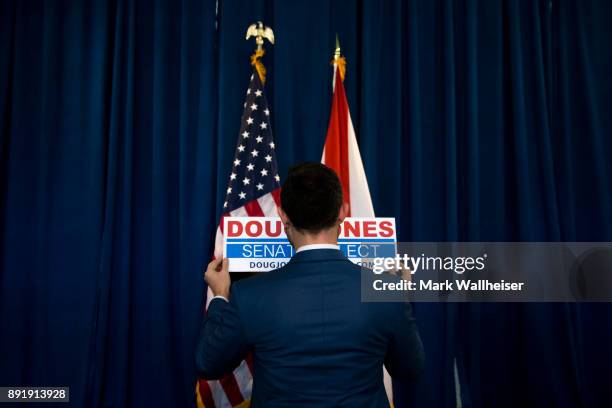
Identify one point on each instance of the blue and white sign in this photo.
(259, 244)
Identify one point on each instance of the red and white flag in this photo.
(341, 153)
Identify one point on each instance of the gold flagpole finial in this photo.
(337, 52)
(259, 31)
(339, 61)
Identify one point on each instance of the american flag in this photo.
(253, 190)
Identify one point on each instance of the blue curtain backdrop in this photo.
(477, 120)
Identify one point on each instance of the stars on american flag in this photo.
(255, 171)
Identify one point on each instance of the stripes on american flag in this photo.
(253, 190)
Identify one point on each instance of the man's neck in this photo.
(323, 237)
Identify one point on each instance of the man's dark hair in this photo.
(311, 196)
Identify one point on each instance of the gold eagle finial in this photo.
(259, 31)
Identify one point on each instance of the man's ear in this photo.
(344, 211)
(283, 216)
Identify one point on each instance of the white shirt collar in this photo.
(316, 246)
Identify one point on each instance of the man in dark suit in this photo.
(314, 342)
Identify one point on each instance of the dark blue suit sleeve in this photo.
(405, 356)
(222, 344)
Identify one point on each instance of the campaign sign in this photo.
(259, 244)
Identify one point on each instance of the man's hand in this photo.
(217, 277)
(404, 273)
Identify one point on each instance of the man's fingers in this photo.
(406, 274)
(217, 277)
(214, 264)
